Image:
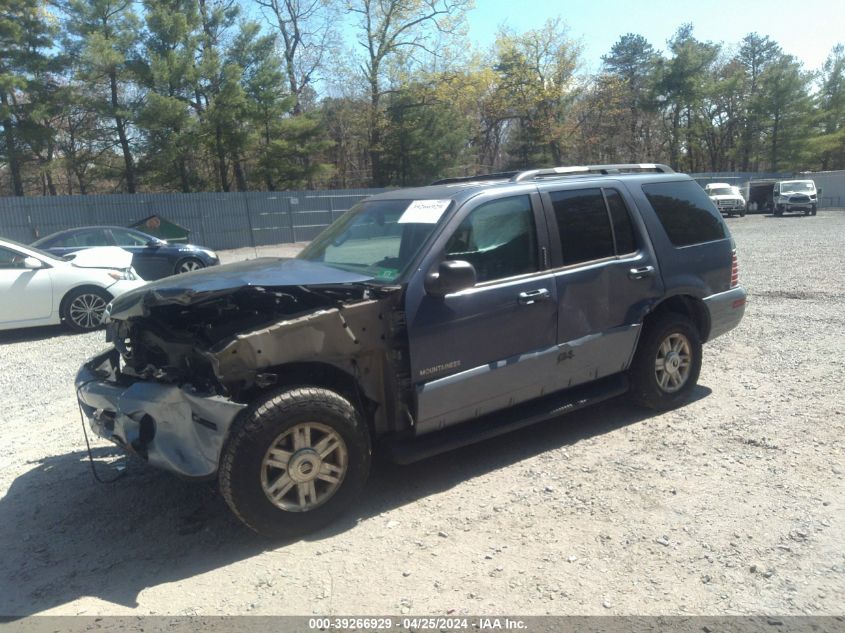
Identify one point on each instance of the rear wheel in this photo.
(295, 461)
(83, 308)
(188, 264)
(667, 362)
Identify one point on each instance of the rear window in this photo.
(685, 212)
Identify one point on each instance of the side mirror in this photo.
(32, 263)
(451, 276)
(153, 244)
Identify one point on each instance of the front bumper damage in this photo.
(173, 427)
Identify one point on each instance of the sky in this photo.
(808, 29)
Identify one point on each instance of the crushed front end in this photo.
(190, 352)
(174, 427)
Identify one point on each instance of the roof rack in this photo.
(604, 170)
(502, 175)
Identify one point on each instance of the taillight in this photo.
(734, 270)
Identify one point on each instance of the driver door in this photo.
(493, 345)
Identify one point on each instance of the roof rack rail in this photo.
(502, 175)
(604, 170)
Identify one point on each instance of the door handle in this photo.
(532, 296)
(641, 273)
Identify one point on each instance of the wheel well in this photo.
(691, 307)
(318, 375)
(63, 302)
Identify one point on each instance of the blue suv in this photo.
(422, 320)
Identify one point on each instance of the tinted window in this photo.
(623, 230)
(685, 211)
(583, 225)
(498, 238)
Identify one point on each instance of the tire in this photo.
(82, 308)
(778, 211)
(187, 265)
(646, 387)
(742, 213)
(813, 211)
(806, 211)
(250, 473)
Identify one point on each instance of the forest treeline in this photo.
(120, 96)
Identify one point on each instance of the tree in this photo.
(756, 53)
(102, 37)
(306, 30)
(25, 36)
(787, 107)
(830, 142)
(633, 61)
(170, 77)
(424, 137)
(535, 76)
(388, 28)
(682, 82)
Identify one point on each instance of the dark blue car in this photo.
(152, 258)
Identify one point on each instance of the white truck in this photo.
(795, 195)
(727, 198)
(783, 196)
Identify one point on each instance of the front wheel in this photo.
(813, 211)
(295, 461)
(667, 362)
(83, 308)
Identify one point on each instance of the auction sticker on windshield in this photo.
(424, 212)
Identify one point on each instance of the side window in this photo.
(498, 238)
(10, 259)
(90, 237)
(623, 229)
(685, 211)
(583, 224)
(128, 238)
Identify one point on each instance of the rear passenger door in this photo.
(605, 275)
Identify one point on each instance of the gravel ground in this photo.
(733, 504)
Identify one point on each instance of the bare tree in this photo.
(306, 32)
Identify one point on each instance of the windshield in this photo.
(377, 237)
(798, 186)
(721, 191)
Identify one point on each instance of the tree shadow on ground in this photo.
(62, 536)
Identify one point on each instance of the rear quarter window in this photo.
(686, 213)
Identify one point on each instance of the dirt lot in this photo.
(734, 504)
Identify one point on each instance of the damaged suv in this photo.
(422, 320)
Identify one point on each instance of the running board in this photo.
(409, 449)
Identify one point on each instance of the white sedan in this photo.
(37, 288)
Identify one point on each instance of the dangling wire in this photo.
(97, 477)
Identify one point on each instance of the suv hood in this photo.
(207, 283)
